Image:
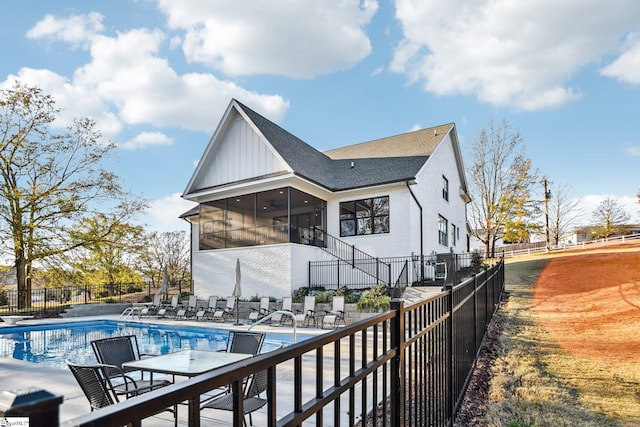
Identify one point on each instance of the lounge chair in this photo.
(287, 303)
(189, 310)
(336, 314)
(308, 313)
(169, 310)
(259, 313)
(206, 312)
(228, 311)
(152, 309)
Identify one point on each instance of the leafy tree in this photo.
(501, 184)
(610, 218)
(109, 261)
(51, 180)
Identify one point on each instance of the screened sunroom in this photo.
(283, 215)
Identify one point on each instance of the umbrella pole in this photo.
(237, 311)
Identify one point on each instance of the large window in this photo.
(365, 216)
(443, 229)
(268, 217)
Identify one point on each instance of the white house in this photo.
(272, 201)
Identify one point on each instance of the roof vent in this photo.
(352, 165)
(435, 132)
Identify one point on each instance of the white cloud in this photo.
(76, 29)
(146, 139)
(626, 67)
(128, 81)
(591, 202)
(284, 37)
(634, 151)
(508, 53)
(163, 214)
(74, 100)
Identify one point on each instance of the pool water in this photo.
(50, 345)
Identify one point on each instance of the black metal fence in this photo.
(409, 366)
(49, 301)
(446, 268)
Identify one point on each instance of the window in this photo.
(445, 188)
(443, 227)
(453, 235)
(365, 216)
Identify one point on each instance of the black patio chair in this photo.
(96, 382)
(245, 342)
(251, 402)
(114, 351)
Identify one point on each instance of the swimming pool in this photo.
(51, 344)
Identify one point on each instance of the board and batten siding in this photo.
(241, 153)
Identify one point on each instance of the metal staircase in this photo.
(373, 267)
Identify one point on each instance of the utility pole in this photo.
(547, 196)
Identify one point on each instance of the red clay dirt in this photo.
(590, 304)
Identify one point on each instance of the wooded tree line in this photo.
(64, 219)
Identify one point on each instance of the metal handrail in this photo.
(288, 313)
(129, 312)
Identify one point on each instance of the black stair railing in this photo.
(343, 251)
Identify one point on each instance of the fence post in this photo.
(451, 359)
(397, 364)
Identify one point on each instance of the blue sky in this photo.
(157, 75)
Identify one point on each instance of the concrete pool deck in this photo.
(20, 375)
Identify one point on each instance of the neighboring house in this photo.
(272, 201)
(589, 233)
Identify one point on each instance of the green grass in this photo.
(535, 383)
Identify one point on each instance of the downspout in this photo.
(415, 199)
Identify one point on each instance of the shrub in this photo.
(300, 293)
(350, 297)
(3, 298)
(477, 261)
(374, 299)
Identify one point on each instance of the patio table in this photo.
(188, 363)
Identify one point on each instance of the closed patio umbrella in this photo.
(164, 288)
(237, 291)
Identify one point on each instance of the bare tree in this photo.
(610, 218)
(564, 211)
(50, 181)
(501, 183)
(167, 249)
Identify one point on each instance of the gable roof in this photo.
(418, 143)
(339, 172)
(383, 161)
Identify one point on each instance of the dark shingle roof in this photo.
(334, 174)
